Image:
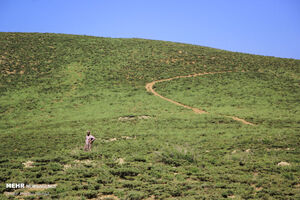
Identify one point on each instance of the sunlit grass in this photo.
(55, 87)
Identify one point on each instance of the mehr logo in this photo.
(22, 185)
(15, 185)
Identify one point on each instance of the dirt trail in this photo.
(149, 87)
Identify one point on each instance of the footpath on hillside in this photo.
(149, 87)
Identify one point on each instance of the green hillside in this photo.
(55, 87)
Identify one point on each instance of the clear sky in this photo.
(264, 27)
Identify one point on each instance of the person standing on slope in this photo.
(89, 139)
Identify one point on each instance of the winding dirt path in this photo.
(149, 88)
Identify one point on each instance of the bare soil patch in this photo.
(132, 117)
(28, 164)
(283, 164)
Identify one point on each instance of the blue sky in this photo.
(264, 27)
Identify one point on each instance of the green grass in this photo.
(258, 97)
(54, 87)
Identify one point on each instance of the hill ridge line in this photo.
(149, 88)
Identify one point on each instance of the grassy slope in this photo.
(55, 87)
